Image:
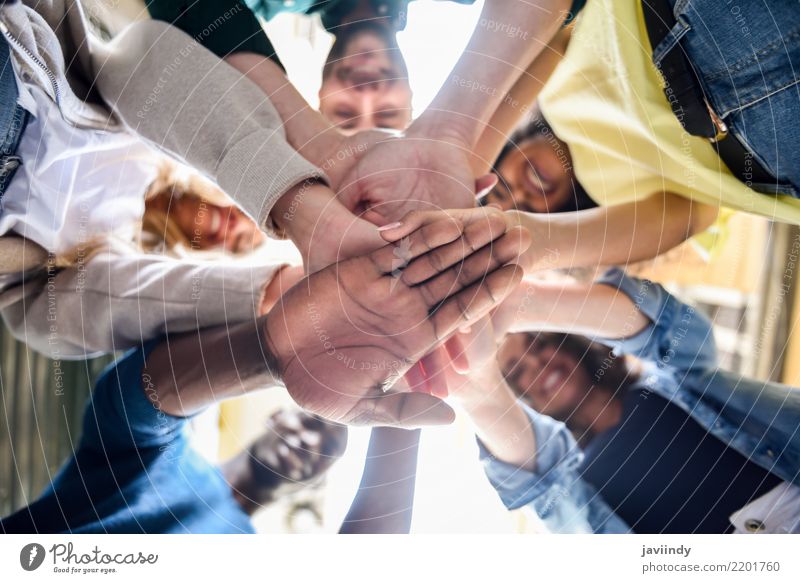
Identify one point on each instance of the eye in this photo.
(345, 114)
(390, 119)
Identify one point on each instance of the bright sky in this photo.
(435, 36)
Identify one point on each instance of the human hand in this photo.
(297, 447)
(345, 334)
(323, 230)
(429, 374)
(399, 175)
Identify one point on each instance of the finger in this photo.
(408, 224)
(476, 301)
(415, 219)
(374, 217)
(426, 238)
(458, 356)
(436, 363)
(505, 250)
(407, 410)
(477, 234)
(415, 379)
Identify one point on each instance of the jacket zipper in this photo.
(50, 75)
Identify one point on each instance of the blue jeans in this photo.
(747, 56)
(13, 119)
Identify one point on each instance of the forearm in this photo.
(490, 65)
(135, 297)
(307, 130)
(186, 101)
(188, 372)
(518, 103)
(592, 310)
(613, 235)
(321, 227)
(385, 498)
(500, 423)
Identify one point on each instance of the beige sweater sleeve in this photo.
(116, 301)
(182, 98)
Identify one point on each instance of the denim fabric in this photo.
(747, 56)
(13, 119)
(134, 470)
(760, 420)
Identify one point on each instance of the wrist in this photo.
(480, 391)
(445, 126)
(274, 360)
(284, 278)
(323, 149)
(540, 256)
(296, 212)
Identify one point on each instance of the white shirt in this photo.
(74, 185)
(776, 512)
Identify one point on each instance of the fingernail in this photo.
(390, 226)
(484, 192)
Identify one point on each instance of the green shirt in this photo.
(231, 26)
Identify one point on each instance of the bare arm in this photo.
(309, 215)
(613, 235)
(577, 308)
(385, 498)
(500, 423)
(190, 371)
(490, 66)
(519, 101)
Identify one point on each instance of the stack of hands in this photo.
(403, 272)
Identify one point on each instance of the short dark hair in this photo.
(540, 127)
(346, 32)
(607, 371)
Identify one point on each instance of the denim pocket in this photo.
(743, 50)
(747, 56)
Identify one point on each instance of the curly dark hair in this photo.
(607, 371)
(539, 127)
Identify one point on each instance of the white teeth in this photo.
(551, 381)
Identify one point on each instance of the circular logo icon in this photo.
(31, 556)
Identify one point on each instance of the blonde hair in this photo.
(159, 230)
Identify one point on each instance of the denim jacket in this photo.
(760, 420)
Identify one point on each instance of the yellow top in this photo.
(606, 101)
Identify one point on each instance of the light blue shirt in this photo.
(760, 420)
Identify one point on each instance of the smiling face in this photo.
(536, 179)
(536, 174)
(209, 226)
(201, 224)
(365, 81)
(544, 374)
